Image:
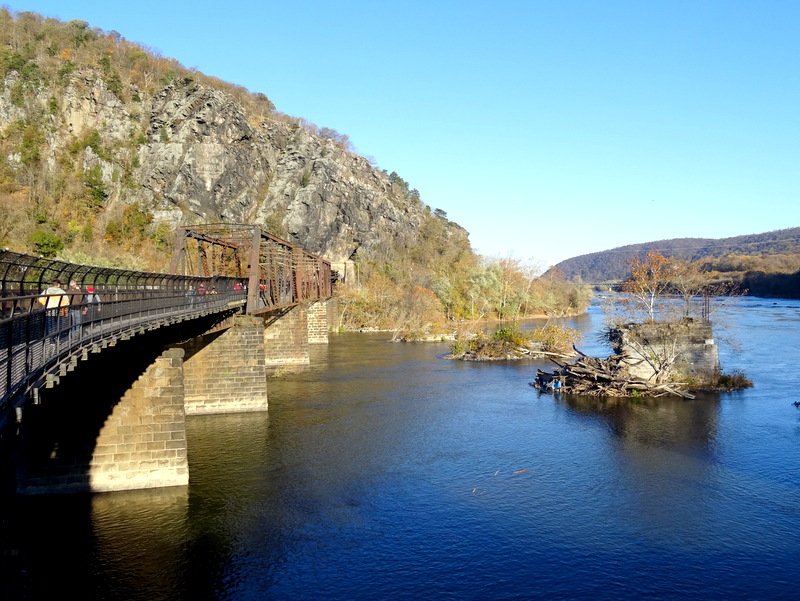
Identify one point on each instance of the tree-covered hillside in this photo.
(777, 251)
(106, 146)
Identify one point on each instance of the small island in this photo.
(662, 335)
(660, 330)
(509, 342)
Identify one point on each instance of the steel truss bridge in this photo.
(216, 270)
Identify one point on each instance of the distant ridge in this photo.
(612, 265)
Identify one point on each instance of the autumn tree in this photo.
(687, 282)
(662, 289)
(648, 283)
(659, 320)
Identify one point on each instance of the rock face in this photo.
(189, 154)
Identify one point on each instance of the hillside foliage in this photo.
(765, 264)
(440, 281)
(52, 198)
(68, 190)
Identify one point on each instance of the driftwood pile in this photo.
(610, 377)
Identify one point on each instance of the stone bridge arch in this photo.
(117, 421)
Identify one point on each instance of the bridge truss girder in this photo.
(276, 273)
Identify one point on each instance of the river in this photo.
(384, 471)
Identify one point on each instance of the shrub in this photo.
(46, 243)
(736, 380)
(135, 219)
(556, 339)
(114, 84)
(511, 335)
(67, 68)
(163, 236)
(93, 180)
(33, 139)
(11, 61)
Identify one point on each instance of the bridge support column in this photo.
(318, 322)
(226, 373)
(141, 443)
(286, 339)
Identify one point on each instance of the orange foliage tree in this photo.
(649, 280)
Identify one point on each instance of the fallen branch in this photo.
(594, 376)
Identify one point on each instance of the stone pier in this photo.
(143, 442)
(118, 421)
(690, 342)
(88, 442)
(318, 322)
(286, 339)
(226, 372)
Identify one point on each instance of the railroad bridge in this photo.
(96, 381)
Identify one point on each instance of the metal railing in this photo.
(39, 332)
(41, 326)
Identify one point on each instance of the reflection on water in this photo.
(383, 471)
(656, 422)
(132, 542)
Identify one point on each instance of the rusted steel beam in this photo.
(279, 276)
(253, 282)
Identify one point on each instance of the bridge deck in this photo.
(43, 335)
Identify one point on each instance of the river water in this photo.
(384, 471)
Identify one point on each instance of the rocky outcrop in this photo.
(190, 154)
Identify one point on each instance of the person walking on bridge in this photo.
(55, 302)
(191, 294)
(76, 309)
(92, 300)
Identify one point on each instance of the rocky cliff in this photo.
(106, 146)
(189, 153)
(203, 161)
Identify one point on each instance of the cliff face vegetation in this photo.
(103, 139)
(106, 146)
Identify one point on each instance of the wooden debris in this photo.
(593, 376)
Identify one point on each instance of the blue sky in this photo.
(548, 129)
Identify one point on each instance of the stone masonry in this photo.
(226, 373)
(318, 323)
(143, 442)
(135, 436)
(286, 339)
(138, 440)
(691, 343)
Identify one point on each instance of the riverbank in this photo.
(460, 328)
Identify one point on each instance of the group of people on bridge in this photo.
(74, 304)
(198, 297)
